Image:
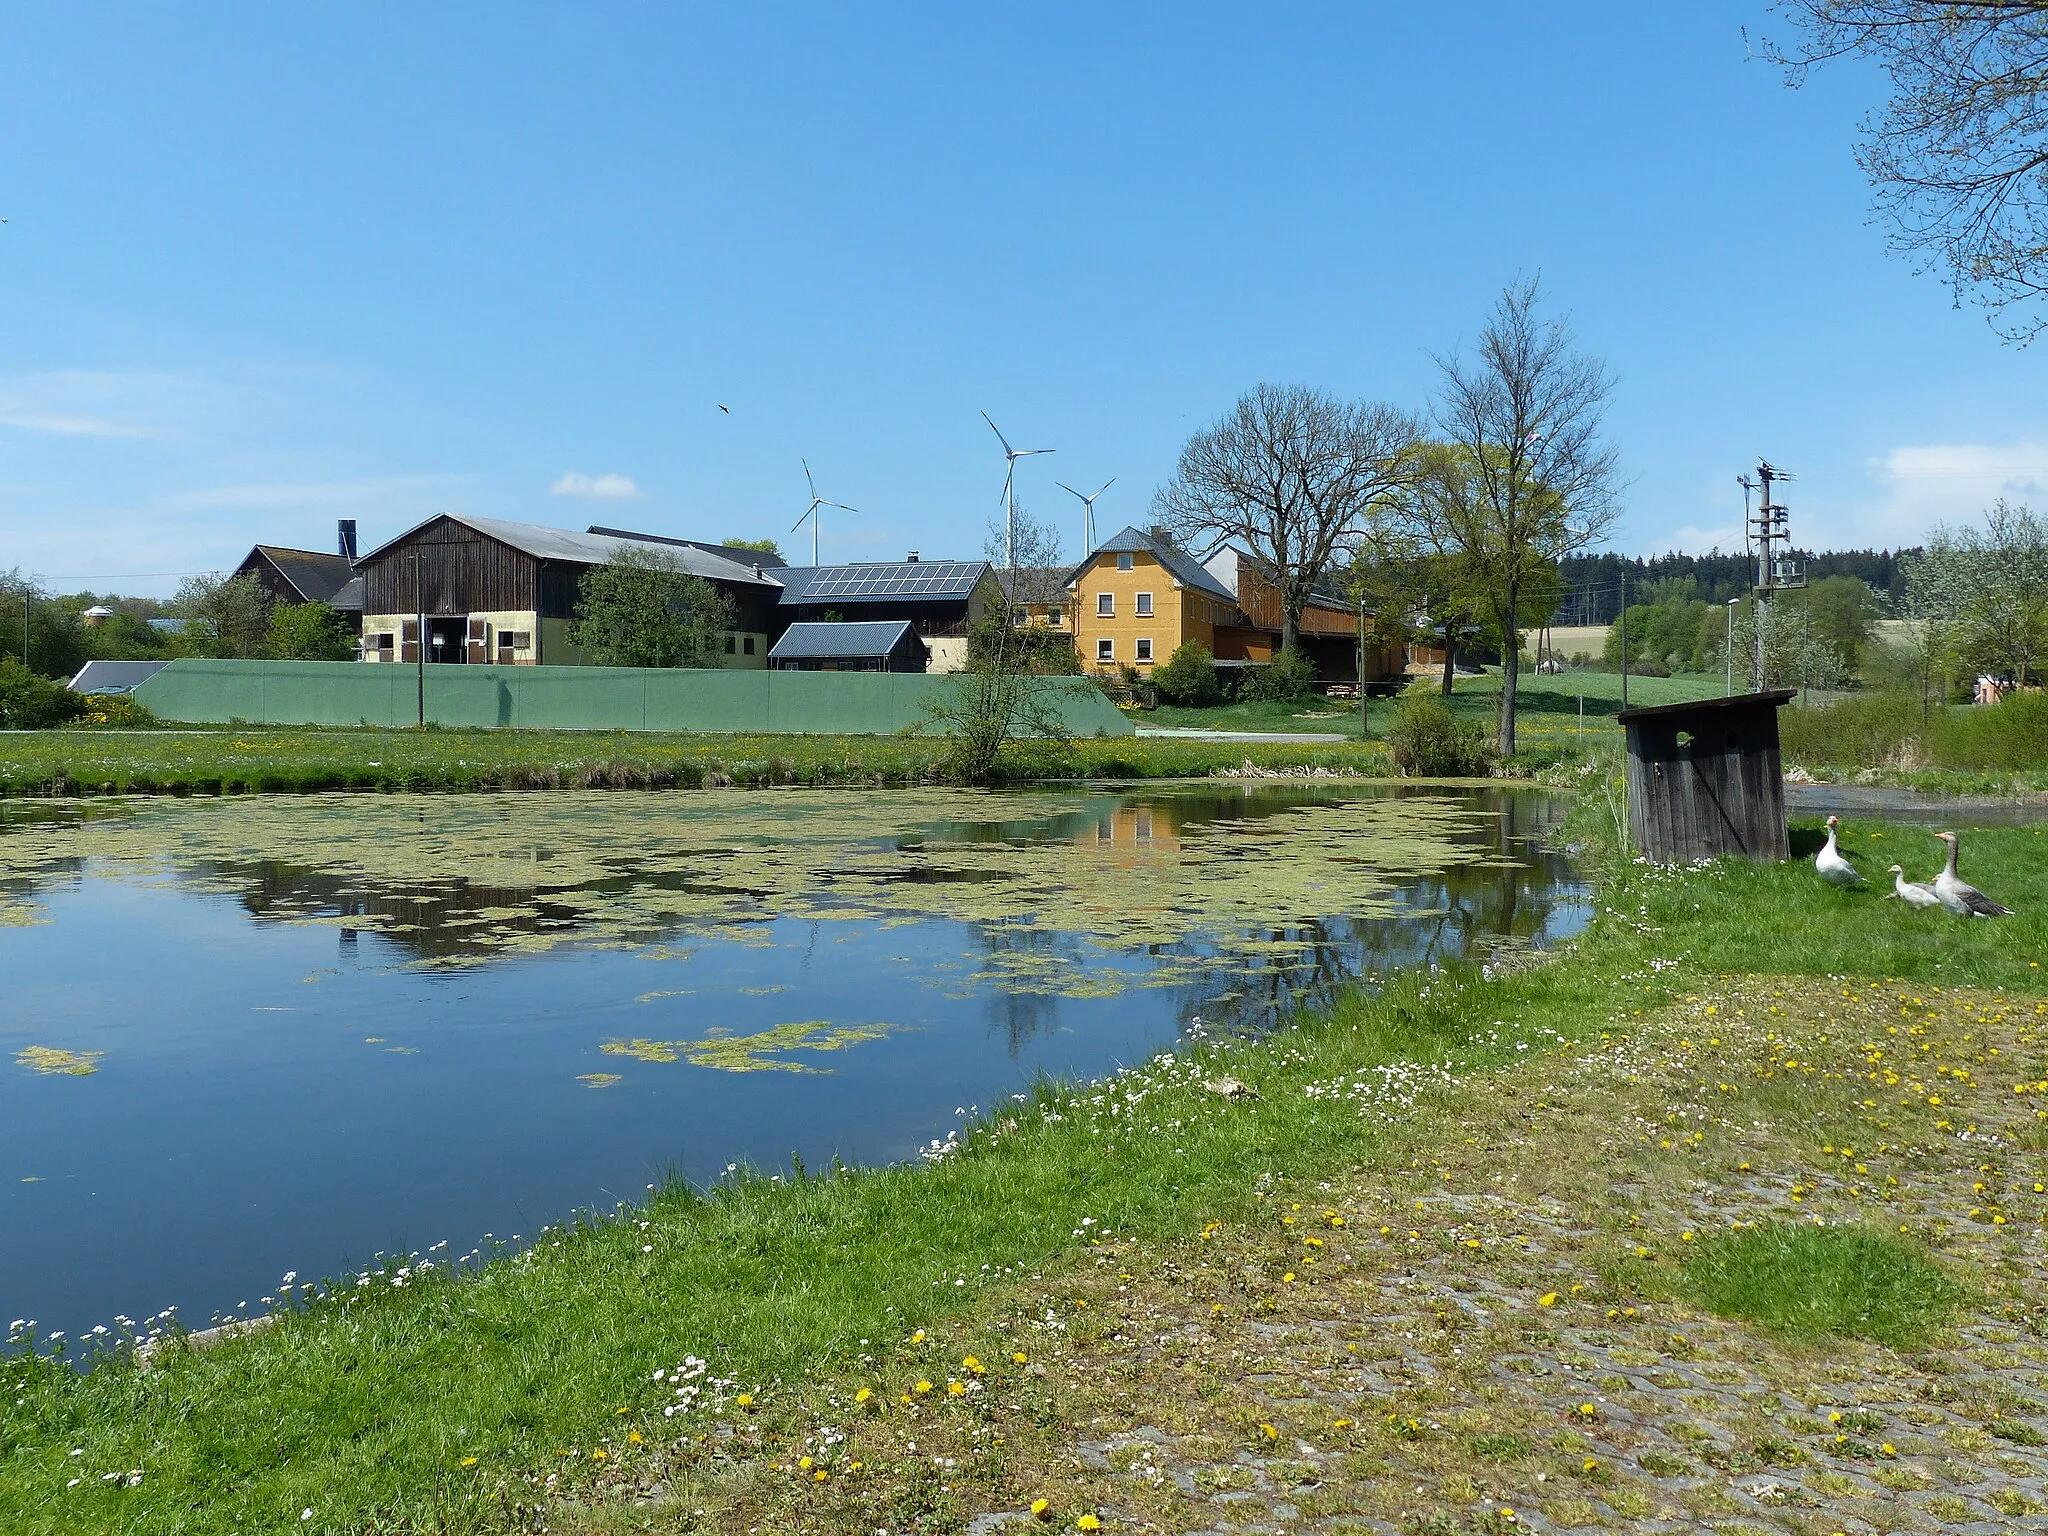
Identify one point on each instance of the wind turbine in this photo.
(1011, 455)
(811, 511)
(1087, 512)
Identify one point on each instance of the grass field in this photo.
(260, 759)
(827, 1335)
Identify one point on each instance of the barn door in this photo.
(408, 639)
(479, 641)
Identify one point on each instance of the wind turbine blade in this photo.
(842, 506)
(807, 478)
(1007, 473)
(1105, 486)
(1025, 453)
(998, 432)
(800, 521)
(1070, 490)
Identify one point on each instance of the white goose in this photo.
(1832, 867)
(1963, 900)
(1918, 897)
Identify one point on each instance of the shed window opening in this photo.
(1144, 605)
(748, 645)
(1144, 650)
(1127, 561)
(732, 645)
(1105, 650)
(1105, 605)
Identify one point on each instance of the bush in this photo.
(1189, 677)
(1429, 741)
(1290, 675)
(32, 703)
(1887, 729)
(116, 711)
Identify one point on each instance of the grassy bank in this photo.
(263, 760)
(433, 1398)
(1887, 738)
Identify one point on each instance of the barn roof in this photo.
(882, 581)
(316, 577)
(835, 642)
(589, 548)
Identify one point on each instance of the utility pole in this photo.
(1362, 731)
(1624, 635)
(1766, 526)
(419, 600)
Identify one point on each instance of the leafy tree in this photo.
(309, 632)
(56, 636)
(1189, 677)
(994, 701)
(1959, 155)
(759, 546)
(1519, 477)
(1401, 579)
(640, 608)
(1982, 594)
(226, 616)
(32, 703)
(1289, 675)
(1292, 474)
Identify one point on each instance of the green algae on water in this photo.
(49, 1059)
(763, 1051)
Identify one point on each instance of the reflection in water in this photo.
(329, 1026)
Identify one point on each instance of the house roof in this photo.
(589, 548)
(1036, 583)
(114, 676)
(885, 581)
(316, 577)
(826, 642)
(1180, 565)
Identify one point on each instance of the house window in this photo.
(1105, 605)
(1052, 617)
(1126, 561)
(1144, 605)
(1105, 650)
(732, 644)
(1144, 650)
(748, 645)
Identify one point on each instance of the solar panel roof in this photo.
(887, 581)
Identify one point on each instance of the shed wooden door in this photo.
(479, 641)
(408, 639)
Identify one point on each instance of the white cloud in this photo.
(65, 425)
(1916, 486)
(611, 487)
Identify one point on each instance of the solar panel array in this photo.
(899, 579)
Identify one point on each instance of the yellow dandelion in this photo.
(1020, 1358)
(598, 1455)
(633, 1437)
(955, 1389)
(969, 1363)
(468, 1461)
(922, 1387)
(1288, 1278)
(1087, 1523)
(1040, 1508)
(1547, 1299)
(804, 1462)
(745, 1399)
(1269, 1432)
(862, 1395)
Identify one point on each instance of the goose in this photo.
(1832, 867)
(1918, 897)
(1963, 900)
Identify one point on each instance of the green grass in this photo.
(1814, 1281)
(268, 759)
(1318, 714)
(363, 1405)
(1954, 747)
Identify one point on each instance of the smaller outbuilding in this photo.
(114, 676)
(1705, 779)
(888, 645)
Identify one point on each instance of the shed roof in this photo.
(1770, 698)
(1179, 564)
(589, 548)
(315, 576)
(833, 642)
(114, 676)
(882, 581)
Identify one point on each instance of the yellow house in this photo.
(1138, 597)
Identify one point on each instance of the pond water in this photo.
(241, 1037)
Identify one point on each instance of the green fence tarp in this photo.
(581, 698)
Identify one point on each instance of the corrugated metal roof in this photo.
(591, 548)
(882, 581)
(1179, 564)
(738, 554)
(114, 676)
(818, 642)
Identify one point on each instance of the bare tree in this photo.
(1520, 477)
(1290, 473)
(1039, 578)
(1959, 155)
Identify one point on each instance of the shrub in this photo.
(32, 703)
(1429, 741)
(116, 711)
(1290, 675)
(1189, 677)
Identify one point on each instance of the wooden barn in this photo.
(1705, 779)
(494, 591)
(309, 576)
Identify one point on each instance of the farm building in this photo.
(879, 645)
(308, 576)
(941, 599)
(504, 592)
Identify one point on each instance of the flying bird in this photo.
(1832, 867)
(1918, 897)
(722, 408)
(1960, 899)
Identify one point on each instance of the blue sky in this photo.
(270, 266)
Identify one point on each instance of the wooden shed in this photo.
(1705, 779)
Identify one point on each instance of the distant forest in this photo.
(1592, 583)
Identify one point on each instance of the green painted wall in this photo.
(577, 698)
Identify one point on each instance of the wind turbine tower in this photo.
(811, 511)
(1011, 456)
(1087, 512)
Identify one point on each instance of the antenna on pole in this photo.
(1011, 456)
(1087, 511)
(1765, 525)
(811, 511)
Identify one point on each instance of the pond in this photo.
(249, 1036)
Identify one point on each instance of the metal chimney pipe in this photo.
(346, 529)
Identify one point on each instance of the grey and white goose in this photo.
(1963, 900)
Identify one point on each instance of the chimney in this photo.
(346, 527)
(913, 557)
